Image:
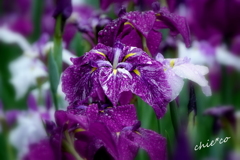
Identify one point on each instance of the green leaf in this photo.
(53, 77)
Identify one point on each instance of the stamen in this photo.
(172, 62)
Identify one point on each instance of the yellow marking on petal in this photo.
(101, 53)
(93, 69)
(158, 14)
(79, 130)
(137, 72)
(102, 111)
(128, 55)
(172, 62)
(138, 132)
(115, 71)
(158, 20)
(109, 107)
(128, 23)
(165, 69)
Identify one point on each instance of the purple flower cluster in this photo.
(101, 120)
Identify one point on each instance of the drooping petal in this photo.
(177, 24)
(154, 39)
(153, 143)
(79, 83)
(150, 83)
(192, 72)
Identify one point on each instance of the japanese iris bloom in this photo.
(128, 134)
(115, 72)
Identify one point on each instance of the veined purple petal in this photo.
(114, 82)
(154, 88)
(80, 83)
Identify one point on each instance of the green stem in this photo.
(159, 126)
(69, 146)
(55, 60)
(57, 48)
(174, 117)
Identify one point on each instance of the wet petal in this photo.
(142, 21)
(154, 89)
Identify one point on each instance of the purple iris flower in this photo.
(115, 72)
(122, 122)
(141, 29)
